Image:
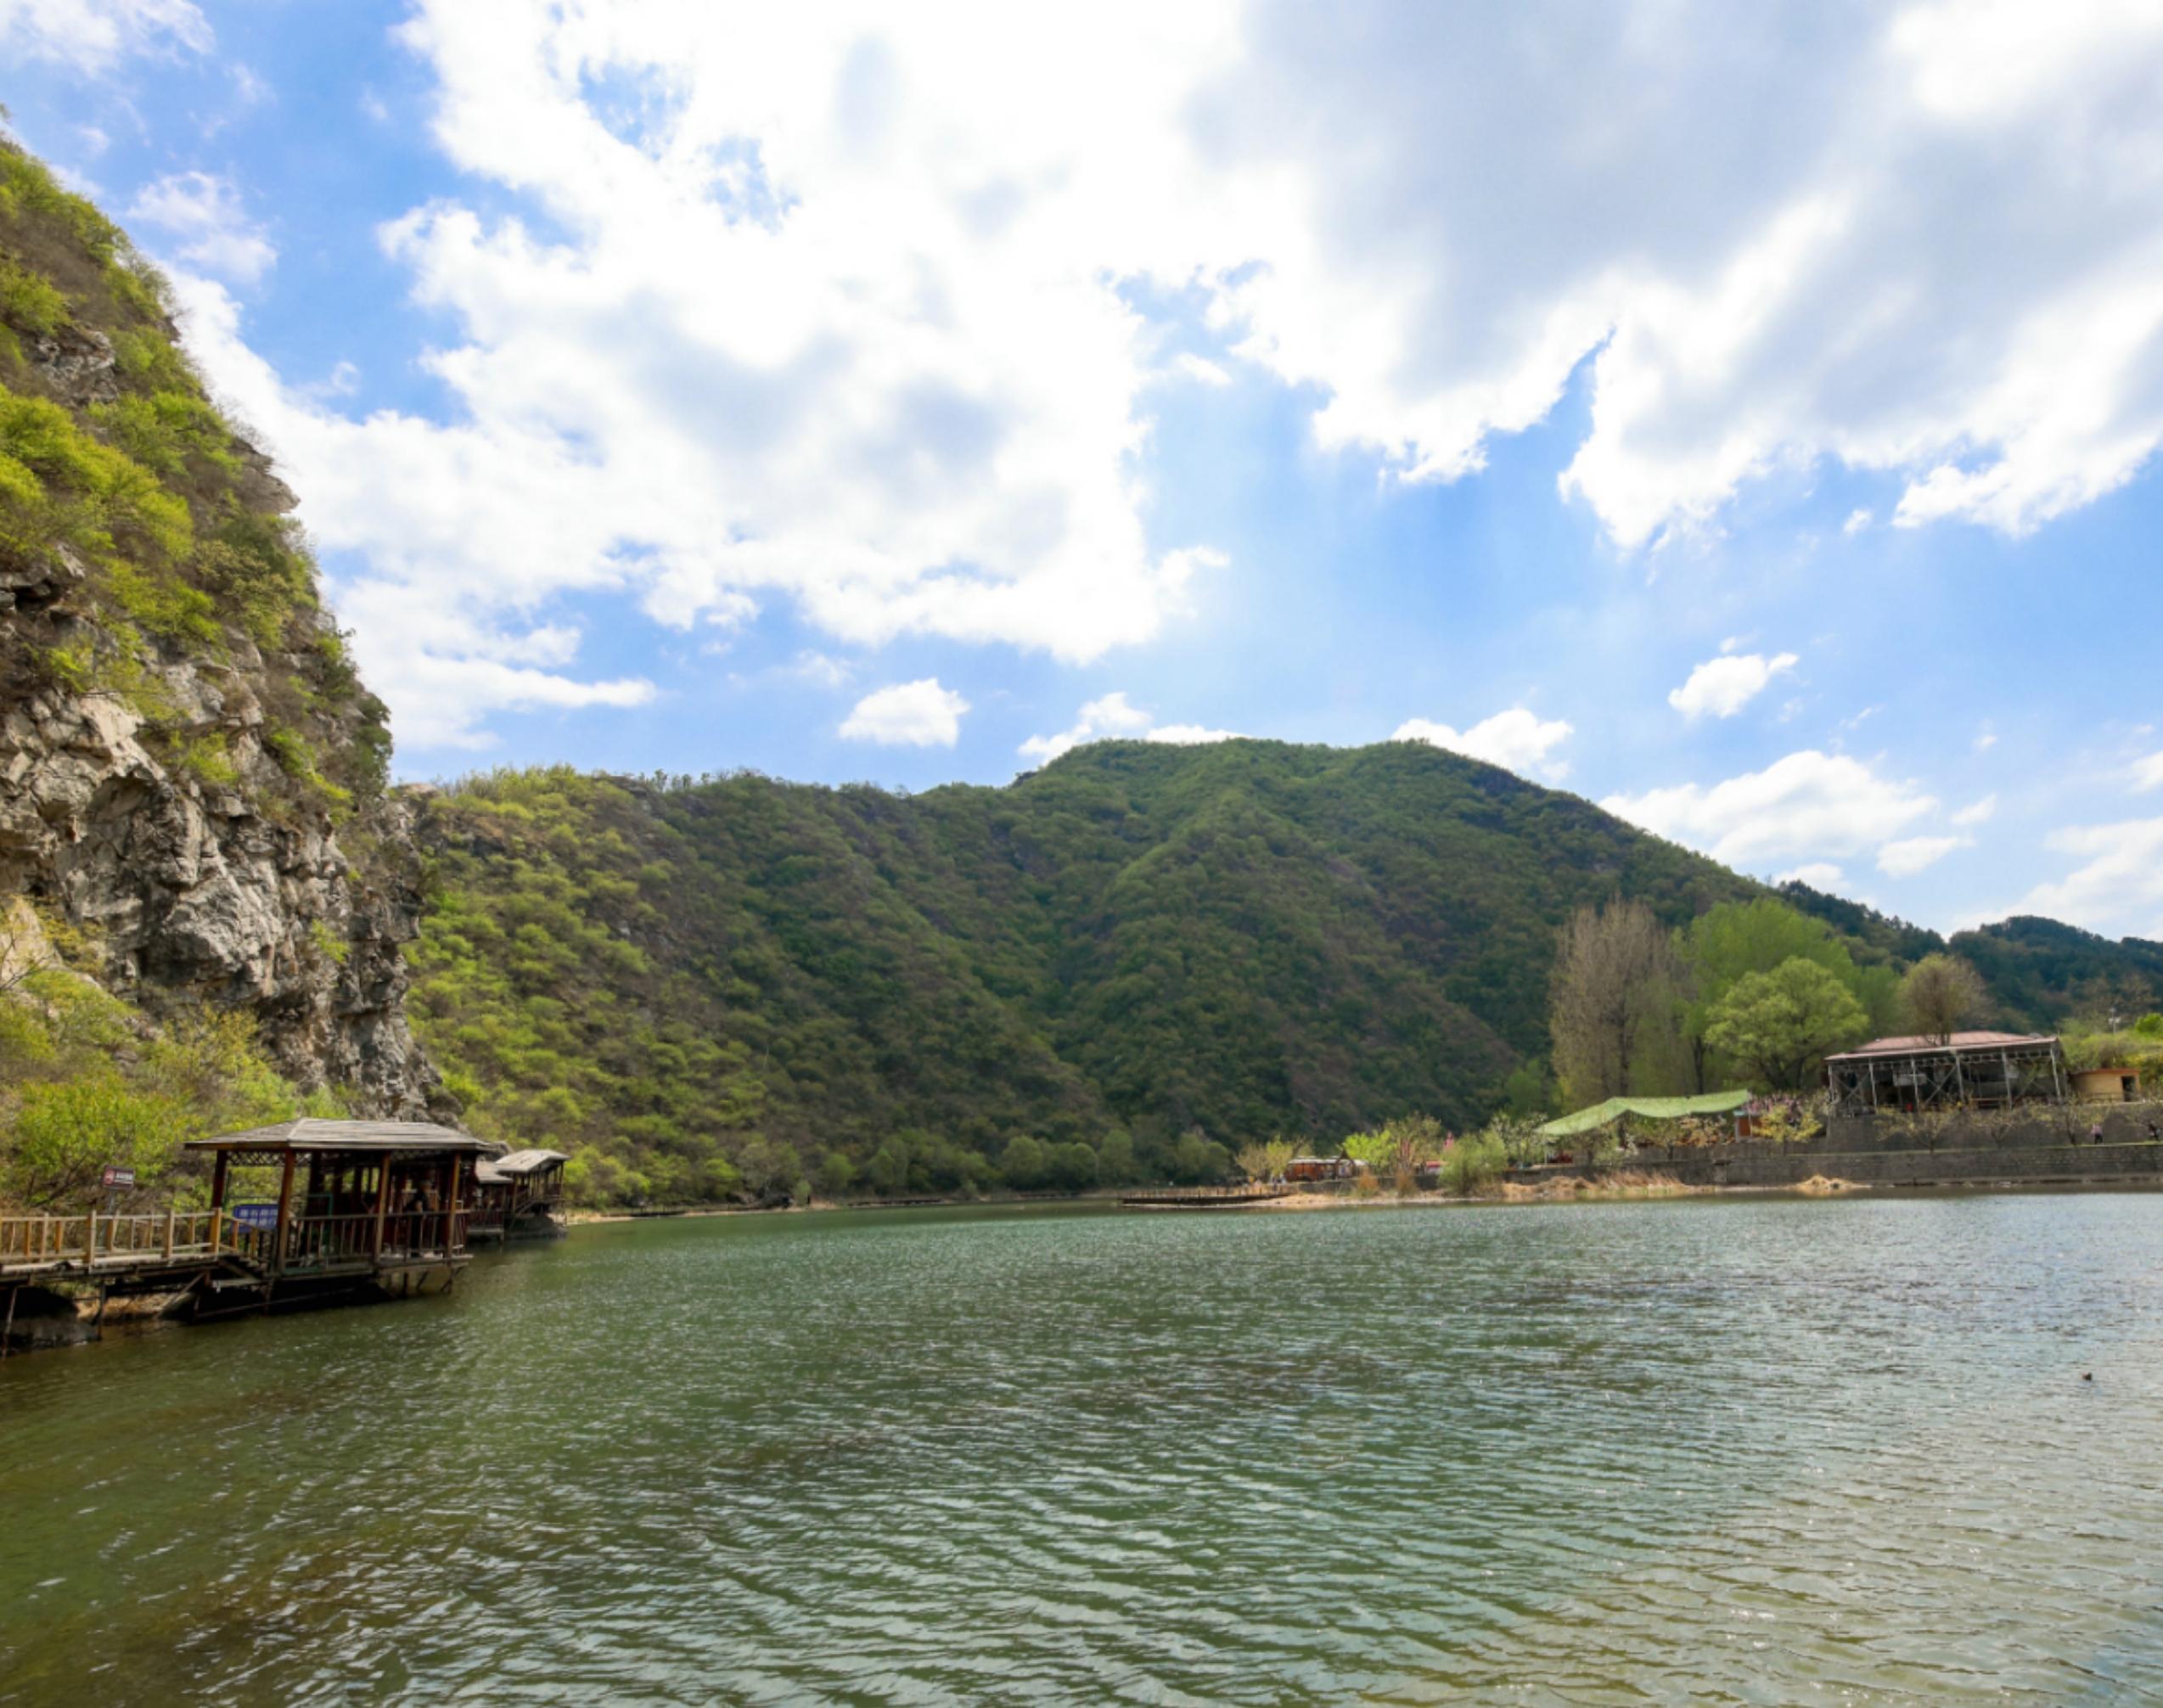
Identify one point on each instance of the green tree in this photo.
(1735, 939)
(1198, 1160)
(1023, 1164)
(1781, 1024)
(65, 1133)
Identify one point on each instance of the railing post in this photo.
(90, 1240)
(170, 1214)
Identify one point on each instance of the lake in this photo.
(1783, 1450)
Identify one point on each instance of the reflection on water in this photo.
(1779, 1452)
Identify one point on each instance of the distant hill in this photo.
(1137, 939)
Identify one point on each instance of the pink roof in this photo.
(1961, 1041)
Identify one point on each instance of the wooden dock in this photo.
(1204, 1198)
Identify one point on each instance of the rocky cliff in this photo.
(191, 774)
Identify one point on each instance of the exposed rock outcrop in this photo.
(191, 773)
(201, 892)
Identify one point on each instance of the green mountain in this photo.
(1137, 939)
(703, 987)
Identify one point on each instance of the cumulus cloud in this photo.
(2118, 889)
(87, 36)
(1976, 811)
(1807, 803)
(1913, 854)
(1516, 739)
(829, 304)
(909, 714)
(1113, 716)
(1818, 874)
(2147, 773)
(1767, 235)
(1723, 686)
(210, 229)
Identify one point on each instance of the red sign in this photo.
(118, 1177)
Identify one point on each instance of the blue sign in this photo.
(260, 1217)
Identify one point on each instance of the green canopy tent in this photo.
(1614, 1108)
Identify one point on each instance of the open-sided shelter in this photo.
(520, 1194)
(385, 1201)
(1965, 1070)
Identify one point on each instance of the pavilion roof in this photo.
(310, 1134)
(1923, 1044)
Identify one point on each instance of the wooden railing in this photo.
(30, 1241)
(94, 1241)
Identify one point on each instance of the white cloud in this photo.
(831, 305)
(1818, 874)
(1857, 521)
(1976, 811)
(1807, 803)
(1200, 369)
(910, 714)
(1913, 854)
(1476, 200)
(1986, 739)
(1723, 686)
(820, 669)
(210, 228)
(2147, 773)
(2118, 890)
(1113, 716)
(88, 35)
(1516, 739)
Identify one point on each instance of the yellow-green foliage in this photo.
(161, 430)
(297, 760)
(208, 760)
(329, 942)
(151, 360)
(29, 303)
(257, 569)
(28, 189)
(57, 483)
(87, 1080)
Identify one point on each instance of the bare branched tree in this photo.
(1939, 992)
(24, 951)
(1614, 998)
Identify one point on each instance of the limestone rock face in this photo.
(196, 892)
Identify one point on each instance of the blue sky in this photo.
(1750, 424)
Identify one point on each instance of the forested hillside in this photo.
(740, 986)
(680, 983)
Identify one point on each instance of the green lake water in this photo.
(1774, 1451)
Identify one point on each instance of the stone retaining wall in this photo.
(2052, 1148)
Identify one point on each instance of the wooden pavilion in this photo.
(520, 1194)
(376, 1206)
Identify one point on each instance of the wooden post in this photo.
(451, 1206)
(285, 1218)
(90, 1241)
(382, 1203)
(170, 1214)
(218, 1182)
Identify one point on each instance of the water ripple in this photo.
(1745, 1452)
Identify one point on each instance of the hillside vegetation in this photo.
(1147, 951)
(1125, 965)
(186, 941)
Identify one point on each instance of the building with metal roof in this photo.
(1964, 1071)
